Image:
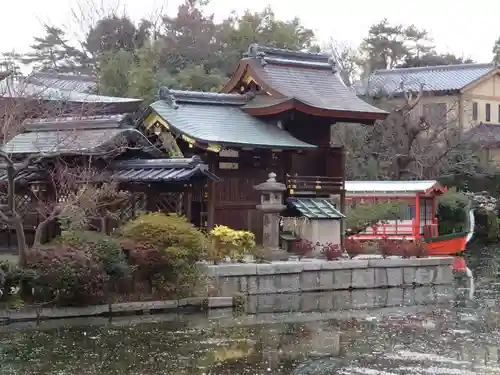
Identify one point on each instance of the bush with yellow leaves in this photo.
(227, 242)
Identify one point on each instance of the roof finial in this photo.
(333, 63)
(166, 95)
(252, 51)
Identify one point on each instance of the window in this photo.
(474, 111)
(488, 112)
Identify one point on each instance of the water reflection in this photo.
(431, 335)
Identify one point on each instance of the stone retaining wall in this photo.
(313, 275)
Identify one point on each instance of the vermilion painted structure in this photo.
(418, 213)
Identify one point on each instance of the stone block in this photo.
(435, 261)
(216, 302)
(395, 297)
(287, 283)
(264, 269)
(326, 280)
(287, 302)
(342, 300)
(228, 286)
(266, 303)
(444, 275)
(361, 299)
(378, 296)
(394, 277)
(363, 278)
(409, 297)
(252, 304)
(286, 267)
(424, 295)
(391, 263)
(253, 284)
(424, 275)
(266, 284)
(308, 302)
(409, 275)
(235, 269)
(243, 284)
(381, 280)
(342, 279)
(310, 281)
(325, 301)
(444, 293)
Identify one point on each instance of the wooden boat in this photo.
(418, 201)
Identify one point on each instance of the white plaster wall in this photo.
(322, 232)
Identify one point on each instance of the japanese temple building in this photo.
(274, 115)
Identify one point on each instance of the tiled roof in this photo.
(378, 187)
(68, 82)
(432, 78)
(78, 122)
(309, 78)
(218, 119)
(315, 208)
(484, 133)
(19, 88)
(159, 170)
(71, 142)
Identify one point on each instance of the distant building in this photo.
(467, 95)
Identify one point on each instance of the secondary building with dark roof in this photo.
(466, 94)
(274, 115)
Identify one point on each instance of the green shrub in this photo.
(107, 249)
(452, 212)
(66, 275)
(162, 231)
(163, 250)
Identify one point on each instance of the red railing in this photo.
(390, 230)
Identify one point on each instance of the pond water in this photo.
(448, 334)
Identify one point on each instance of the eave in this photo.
(295, 104)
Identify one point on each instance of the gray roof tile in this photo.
(68, 82)
(218, 119)
(20, 88)
(73, 141)
(159, 170)
(309, 77)
(432, 79)
(315, 208)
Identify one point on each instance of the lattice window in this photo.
(170, 203)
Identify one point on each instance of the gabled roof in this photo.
(484, 134)
(307, 82)
(393, 187)
(69, 82)
(158, 170)
(78, 135)
(315, 208)
(218, 119)
(21, 88)
(437, 79)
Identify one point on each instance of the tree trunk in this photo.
(40, 230)
(22, 248)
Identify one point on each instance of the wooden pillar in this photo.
(211, 205)
(417, 216)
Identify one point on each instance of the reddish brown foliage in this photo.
(353, 247)
(66, 275)
(303, 248)
(331, 251)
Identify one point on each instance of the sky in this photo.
(463, 30)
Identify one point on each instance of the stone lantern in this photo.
(271, 205)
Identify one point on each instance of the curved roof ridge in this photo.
(434, 67)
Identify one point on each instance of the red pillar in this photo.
(417, 216)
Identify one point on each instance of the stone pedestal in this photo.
(271, 205)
